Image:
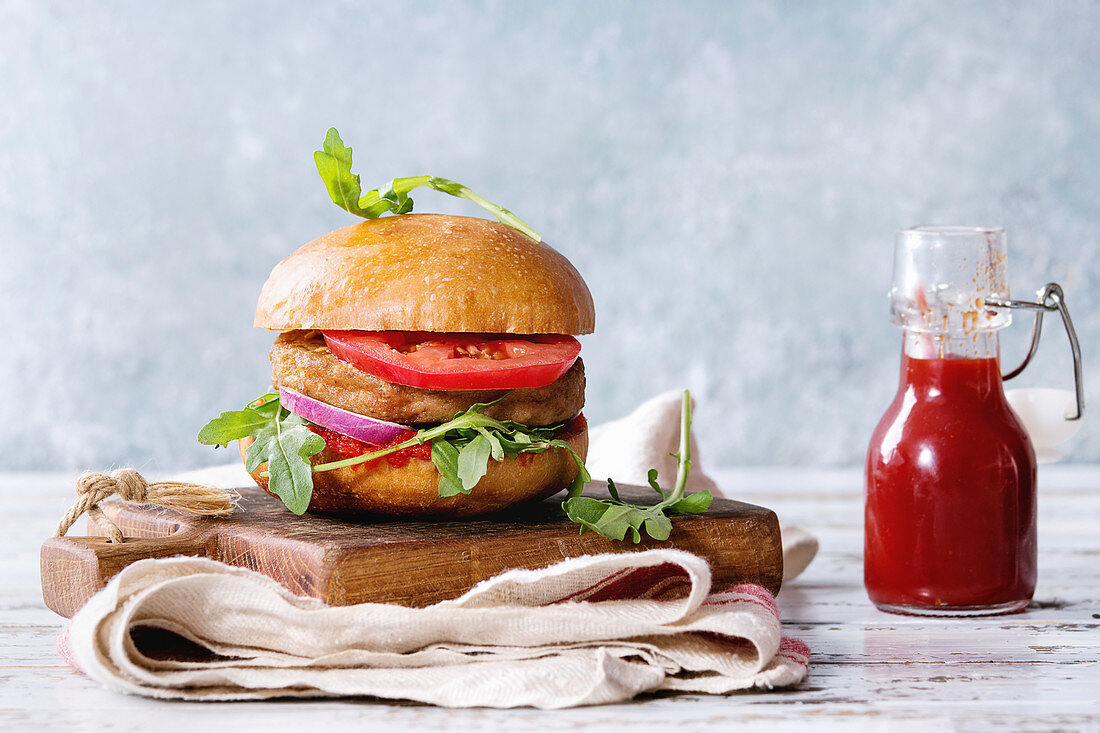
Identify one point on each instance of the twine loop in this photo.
(131, 487)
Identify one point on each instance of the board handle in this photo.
(76, 568)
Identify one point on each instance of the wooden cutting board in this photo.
(356, 559)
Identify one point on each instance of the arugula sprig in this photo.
(463, 446)
(345, 190)
(461, 450)
(613, 518)
(282, 440)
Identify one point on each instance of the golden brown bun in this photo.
(413, 489)
(426, 272)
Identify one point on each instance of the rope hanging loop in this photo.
(132, 487)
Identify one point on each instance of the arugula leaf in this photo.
(445, 458)
(613, 490)
(334, 164)
(289, 473)
(473, 462)
(237, 424)
(606, 518)
(281, 440)
(696, 503)
(651, 477)
(496, 446)
(256, 454)
(658, 526)
(613, 518)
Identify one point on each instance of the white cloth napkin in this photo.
(625, 449)
(586, 631)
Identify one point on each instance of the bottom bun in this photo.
(413, 489)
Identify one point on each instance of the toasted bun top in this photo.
(426, 272)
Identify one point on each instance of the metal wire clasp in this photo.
(1050, 298)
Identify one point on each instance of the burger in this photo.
(425, 364)
(403, 323)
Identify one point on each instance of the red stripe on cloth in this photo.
(794, 651)
(582, 594)
(790, 649)
(639, 583)
(789, 646)
(738, 593)
(65, 649)
(758, 592)
(668, 589)
(656, 582)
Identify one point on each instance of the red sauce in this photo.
(347, 447)
(950, 513)
(574, 426)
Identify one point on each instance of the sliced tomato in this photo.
(456, 361)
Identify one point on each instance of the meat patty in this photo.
(301, 361)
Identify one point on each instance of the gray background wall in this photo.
(727, 176)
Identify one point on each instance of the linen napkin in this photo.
(586, 631)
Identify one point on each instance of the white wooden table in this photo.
(1033, 671)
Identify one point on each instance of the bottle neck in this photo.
(962, 368)
(983, 345)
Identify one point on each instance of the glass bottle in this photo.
(950, 502)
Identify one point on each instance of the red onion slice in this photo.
(351, 424)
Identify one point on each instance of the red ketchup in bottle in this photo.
(950, 513)
(950, 505)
